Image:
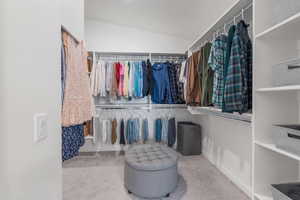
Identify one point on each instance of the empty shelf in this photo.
(247, 117)
(282, 88)
(272, 147)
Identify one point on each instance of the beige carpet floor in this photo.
(100, 176)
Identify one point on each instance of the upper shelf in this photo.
(286, 30)
(246, 117)
(282, 88)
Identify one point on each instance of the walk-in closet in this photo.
(150, 100)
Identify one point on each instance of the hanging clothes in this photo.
(246, 45)
(63, 72)
(131, 79)
(145, 129)
(77, 105)
(171, 132)
(161, 90)
(114, 90)
(216, 62)
(173, 82)
(88, 128)
(236, 94)
(138, 79)
(122, 133)
(147, 82)
(230, 35)
(121, 71)
(114, 136)
(108, 76)
(180, 85)
(193, 88)
(206, 76)
(102, 79)
(126, 79)
(72, 140)
(158, 130)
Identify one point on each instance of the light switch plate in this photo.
(40, 127)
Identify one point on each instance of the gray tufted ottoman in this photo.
(151, 171)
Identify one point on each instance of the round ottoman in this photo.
(150, 170)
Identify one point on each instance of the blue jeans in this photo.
(132, 131)
(161, 91)
(171, 132)
(158, 130)
(145, 130)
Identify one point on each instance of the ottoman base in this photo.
(150, 184)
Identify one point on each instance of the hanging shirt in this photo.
(206, 76)
(77, 104)
(236, 97)
(122, 133)
(131, 79)
(193, 88)
(121, 82)
(216, 62)
(114, 131)
(126, 79)
(102, 80)
(173, 82)
(108, 83)
(145, 128)
(138, 79)
(182, 72)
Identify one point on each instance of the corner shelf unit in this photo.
(276, 39)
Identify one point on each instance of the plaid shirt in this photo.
(173, 82)
(216, 62)
(179, 84)
(237, 94)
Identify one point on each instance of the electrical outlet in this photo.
(40, 127)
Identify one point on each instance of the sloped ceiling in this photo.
(186, 19)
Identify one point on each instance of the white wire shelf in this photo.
(246, 117)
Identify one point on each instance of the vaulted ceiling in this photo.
(181, 18)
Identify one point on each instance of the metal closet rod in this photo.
(140, 107)
(138, 54)
(214, 31)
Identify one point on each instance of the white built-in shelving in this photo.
(276, 38)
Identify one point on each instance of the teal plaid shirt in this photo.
(216, 62)
(237, 88)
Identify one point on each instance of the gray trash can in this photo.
(189, 139)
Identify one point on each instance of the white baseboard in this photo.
(233, 178)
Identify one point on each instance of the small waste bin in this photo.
(189, 138)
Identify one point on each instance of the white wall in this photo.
(30, 83)
(103, 36)
(73, 17)
(228, 145)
